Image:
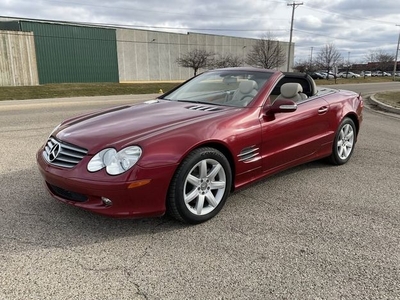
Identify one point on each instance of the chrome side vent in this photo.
(249, 153)
(62, 154)
(204, 108)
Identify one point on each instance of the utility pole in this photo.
(294, 5)
(311, 66)
(395, 60)
(348, 64)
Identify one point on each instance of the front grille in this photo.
(62, 154)
(68, 195)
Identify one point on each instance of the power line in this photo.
(224, 16)
(163, 12)
(353, 17)
(331, 37)
(152, 42)
(133, 26)
(116, 26)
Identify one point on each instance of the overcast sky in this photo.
(354, 26)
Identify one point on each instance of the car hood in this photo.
(122, 125)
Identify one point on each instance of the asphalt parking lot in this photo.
(312, 232)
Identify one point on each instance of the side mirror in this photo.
(281, 106)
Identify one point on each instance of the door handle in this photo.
(323, 110)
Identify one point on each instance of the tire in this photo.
(200, 186)
(344, 142)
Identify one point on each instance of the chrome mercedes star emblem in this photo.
(54, 152)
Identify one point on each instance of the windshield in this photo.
(222, 87)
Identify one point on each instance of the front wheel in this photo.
(200, 186)
(343, 145)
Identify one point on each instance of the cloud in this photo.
(309, 22)
(353, 26)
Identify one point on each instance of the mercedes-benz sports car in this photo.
(184, 152)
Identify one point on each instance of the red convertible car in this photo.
(184, 152)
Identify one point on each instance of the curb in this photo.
(383, 106)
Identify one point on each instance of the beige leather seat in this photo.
(245, 92)
(292, 91)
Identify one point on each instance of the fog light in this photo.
(106, 201)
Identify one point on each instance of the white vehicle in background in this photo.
(366, 73)
(330, 75)
(348, 75)
(380, 73)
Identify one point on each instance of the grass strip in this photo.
(65, 90)
(81, 89)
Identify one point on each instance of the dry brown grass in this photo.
(105, 89)
(354, 80)
(391, 98)
(81, 89)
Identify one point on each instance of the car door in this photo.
(295, 136)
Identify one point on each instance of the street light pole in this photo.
(395, 60)
(294, 5)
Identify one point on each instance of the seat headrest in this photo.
(245, 87)
(230, 80)
(291, 89)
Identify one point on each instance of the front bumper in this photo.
(83, 189)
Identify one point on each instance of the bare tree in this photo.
(302, 66)
(266, 53)
(327, 58)
(225, 61)
(383, 60)
(195, 59)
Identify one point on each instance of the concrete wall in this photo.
(142, 55)
(151, 55)
(17, 59)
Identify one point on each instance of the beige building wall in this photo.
(151, 56)
(17, 59)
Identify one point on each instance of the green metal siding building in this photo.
(71, 53)
(83, 53)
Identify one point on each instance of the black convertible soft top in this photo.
(305, 80)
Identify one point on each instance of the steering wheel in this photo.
(228, 95)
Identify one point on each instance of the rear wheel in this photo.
(343, 145)
(200, 186)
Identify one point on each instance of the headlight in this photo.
(115, 162)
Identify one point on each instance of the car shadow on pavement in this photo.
(318, 164)
(29, 215)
